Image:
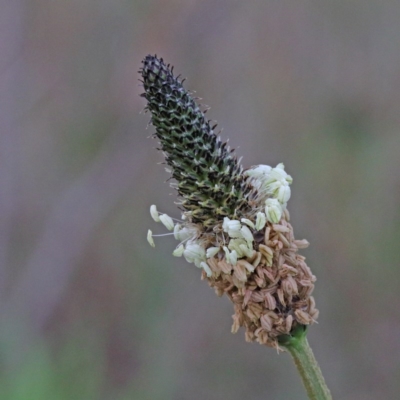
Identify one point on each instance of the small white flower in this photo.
(206, 268)
(247, 235)
(232, 227)
(260, 221)
(212, 251)
(178, 251)
(247, 222)
(194, 253)
(273, 210)
(154, 213)
(150, 238)
(167, 221)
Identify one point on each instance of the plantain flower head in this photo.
(235, 223)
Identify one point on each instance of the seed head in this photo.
(235, 223)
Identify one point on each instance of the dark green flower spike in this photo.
(210, 179)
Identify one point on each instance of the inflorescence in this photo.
(235, 223)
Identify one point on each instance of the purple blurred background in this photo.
(88, 309)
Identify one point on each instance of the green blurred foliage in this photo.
(74, 374)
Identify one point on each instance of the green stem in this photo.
(306, 364)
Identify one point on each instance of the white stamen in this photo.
(234, 244)
(232, 227)
(194, 253)
(260, 171)
(154, 213)
(206, 268)
(230, 257)
(184, 233)
(150, 238)
(260, 221)
(247, 222)
(277, 184)
(178, 251)
(167, 221)
(233, 257)
(247, 251)
(273, 210)
(212, 251)
(246, 233)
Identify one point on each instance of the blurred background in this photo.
(88, 309)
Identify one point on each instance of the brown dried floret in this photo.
(271, 290)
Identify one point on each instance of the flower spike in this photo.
(235, 223)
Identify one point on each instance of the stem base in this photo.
(311, 375)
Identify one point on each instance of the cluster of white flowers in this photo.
(190, 246)
(236, 239)
(274, 184)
